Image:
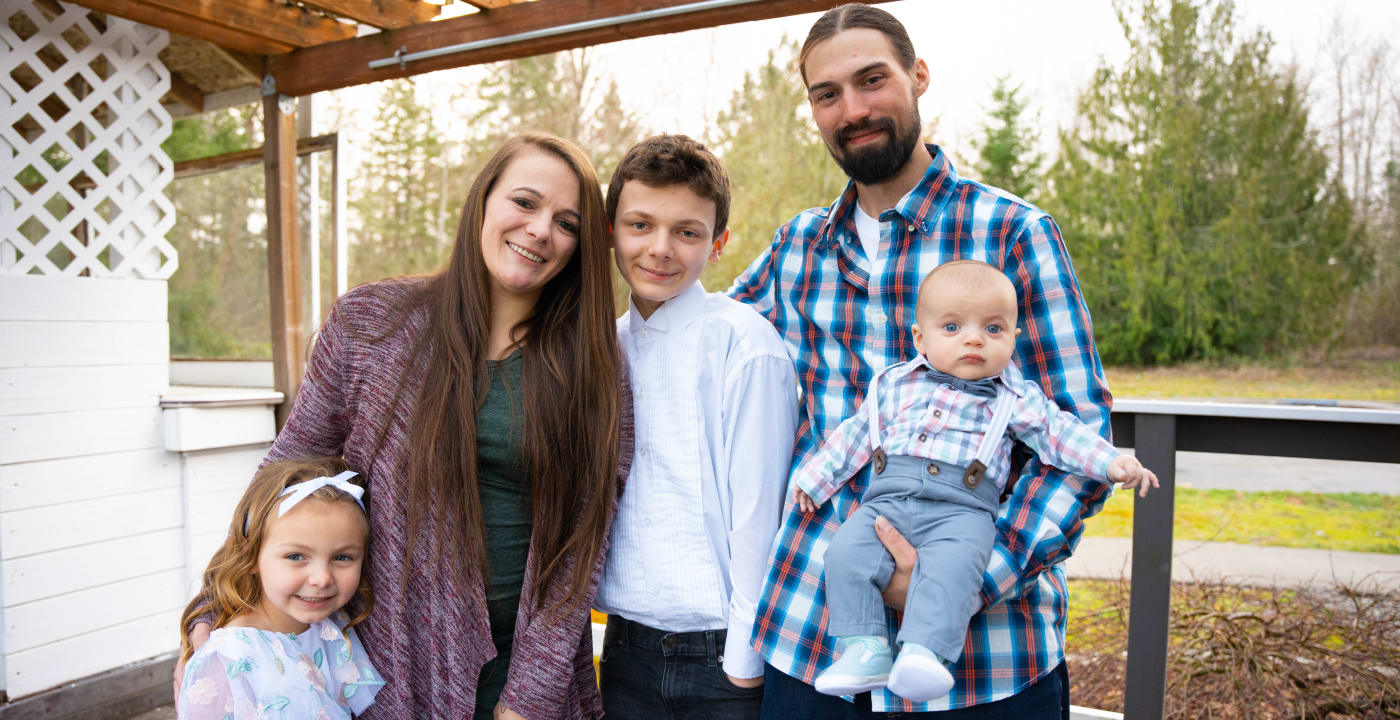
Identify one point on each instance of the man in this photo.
(840, 285)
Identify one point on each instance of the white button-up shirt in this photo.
(715, 404)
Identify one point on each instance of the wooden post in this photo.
(339, 249)
(283, 248)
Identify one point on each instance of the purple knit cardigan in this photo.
(430, 641)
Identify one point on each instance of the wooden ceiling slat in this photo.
(384, 14)
(491, 4)
(346, 63)
(269, 19)
(188, 26)
(186, 92)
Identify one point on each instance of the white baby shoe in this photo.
(919, 675)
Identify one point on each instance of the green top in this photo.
(505, 505)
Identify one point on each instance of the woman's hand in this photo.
(752, 682)
(198, 635)
(504, 713)
(904, 556)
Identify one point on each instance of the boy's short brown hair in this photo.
(663, 160)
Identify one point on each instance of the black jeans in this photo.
(646, 673)
(787, 698)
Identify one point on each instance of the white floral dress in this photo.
(244, 673)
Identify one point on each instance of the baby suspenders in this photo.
(986, 449)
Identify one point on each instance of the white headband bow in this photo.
(303, 490)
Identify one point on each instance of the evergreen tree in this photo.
(1006, 156)
(777, 163)
(1195, 197)
(398, 198)
(558, 93)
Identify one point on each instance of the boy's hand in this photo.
(1127, 470)
(803, 500)
(752, 682)
(198, 635)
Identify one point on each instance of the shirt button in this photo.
(938, 413)
(911, 228)
(923, 437)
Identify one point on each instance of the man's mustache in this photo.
(844, 135)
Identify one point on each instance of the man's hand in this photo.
(1127, 470)
(803, 500)
(752, 682)
(198, 635)
(904, 556)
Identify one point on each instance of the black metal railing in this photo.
(1156, 430)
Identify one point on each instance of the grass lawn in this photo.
(1370, 375)
(1359, 522)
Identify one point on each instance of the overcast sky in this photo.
(678, 83)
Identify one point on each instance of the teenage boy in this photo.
(715, 403)
(840, 283)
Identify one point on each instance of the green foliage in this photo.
(1006, 156)
(406, 220)
(1195, 198)
(218, 303)
(1373, 316)
(776, 160)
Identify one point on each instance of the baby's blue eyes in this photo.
(950, 327)
(993, 329)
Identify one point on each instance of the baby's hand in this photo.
(803, 500)
(1127, 470)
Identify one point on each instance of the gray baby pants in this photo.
(953, 528)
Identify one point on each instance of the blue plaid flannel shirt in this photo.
(841, 322)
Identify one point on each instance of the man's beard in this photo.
(881, 161)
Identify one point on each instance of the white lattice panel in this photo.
(82, 190)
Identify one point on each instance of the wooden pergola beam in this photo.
(189, 26)
(490, 4)
(283, 248)
(346, 63)
(384, 14)
(249, 66)
(269, 19)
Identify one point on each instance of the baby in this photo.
(937, 431)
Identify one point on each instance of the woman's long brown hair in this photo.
(569, 372)
(231, 584)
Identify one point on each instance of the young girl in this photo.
(281, 647)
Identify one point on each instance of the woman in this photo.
(483, 404)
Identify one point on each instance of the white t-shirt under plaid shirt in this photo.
(922, 417)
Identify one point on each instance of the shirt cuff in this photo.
(740, 660)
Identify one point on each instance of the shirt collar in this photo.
(673, 314)
(1010, 376)
(918, 206)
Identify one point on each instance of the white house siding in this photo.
(92, 549)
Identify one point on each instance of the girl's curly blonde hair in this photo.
(231, 585)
